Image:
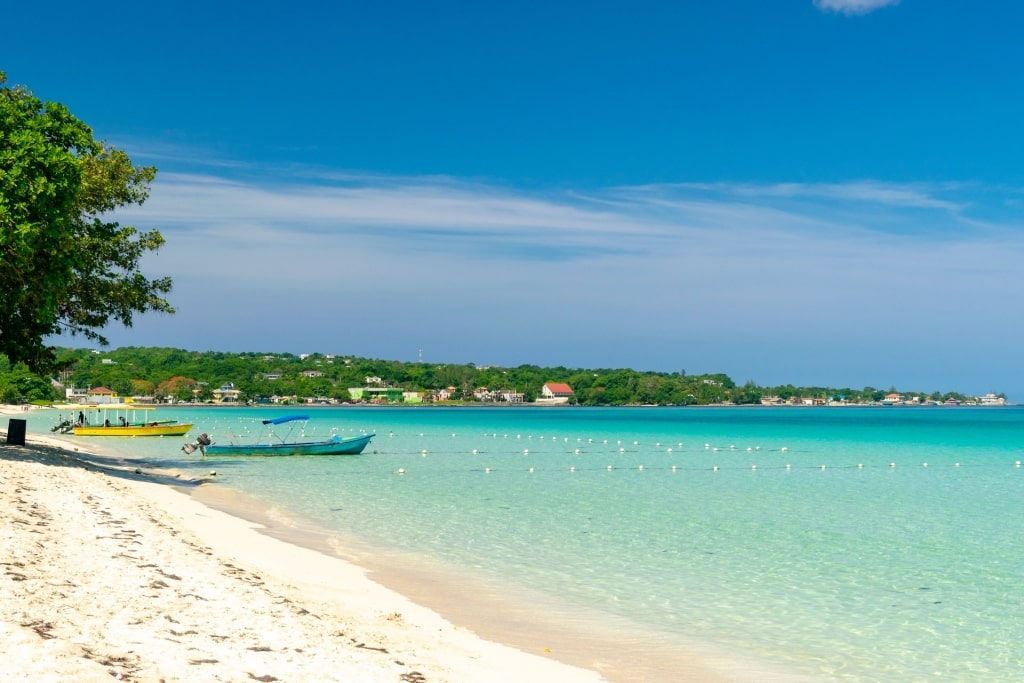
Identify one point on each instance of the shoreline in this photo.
(502, 613)
(421, 627)
(112, 573)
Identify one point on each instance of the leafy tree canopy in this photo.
(64, 266)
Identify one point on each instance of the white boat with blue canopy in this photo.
(271, 443)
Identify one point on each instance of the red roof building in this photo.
(553, 390)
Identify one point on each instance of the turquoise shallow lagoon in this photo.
(839, 544)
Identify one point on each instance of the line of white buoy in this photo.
(716, 468)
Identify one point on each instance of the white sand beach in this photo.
(111, 574)
(109, 571)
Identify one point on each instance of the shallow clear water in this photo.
(848, 544)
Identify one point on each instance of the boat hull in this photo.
(352, 445)
(133, 430)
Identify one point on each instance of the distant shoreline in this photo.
(10, 409)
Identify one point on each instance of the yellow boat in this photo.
(122, 421)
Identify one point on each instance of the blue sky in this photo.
(822, 192)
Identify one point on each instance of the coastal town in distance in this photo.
(174, 376)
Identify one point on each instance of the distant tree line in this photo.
(166, 373)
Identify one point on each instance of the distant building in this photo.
(312, 373)
(102, 395)
(555, 392)
(74, 394)
(376, 394)
(893, 398)
(226, 393)
(992, 400)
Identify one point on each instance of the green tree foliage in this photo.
(21, 385)
(189, 375)
(64, 266)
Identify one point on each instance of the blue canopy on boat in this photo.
(287, 418)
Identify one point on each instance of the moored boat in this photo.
(269, 443)
(122, 421)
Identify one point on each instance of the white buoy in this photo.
(822, 468)
(788, 466)
(401, 470)
(753, 467)
(892, 464)
(715, 468)
(669, 450)
(572, 469)
(487, 470)
(526, 451)
(785, 448)
(640, 467)
(213, 473)
(531, 470)
(674, 468)
(609, 468)
(956, 465)
(860, 466)
(924, 464)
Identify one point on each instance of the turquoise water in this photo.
(845, 544)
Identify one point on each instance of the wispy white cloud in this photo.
(469, 227)
(850, 7)
(643, 273)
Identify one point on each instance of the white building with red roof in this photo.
(555, 392)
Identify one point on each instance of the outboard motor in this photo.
(200, 444)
